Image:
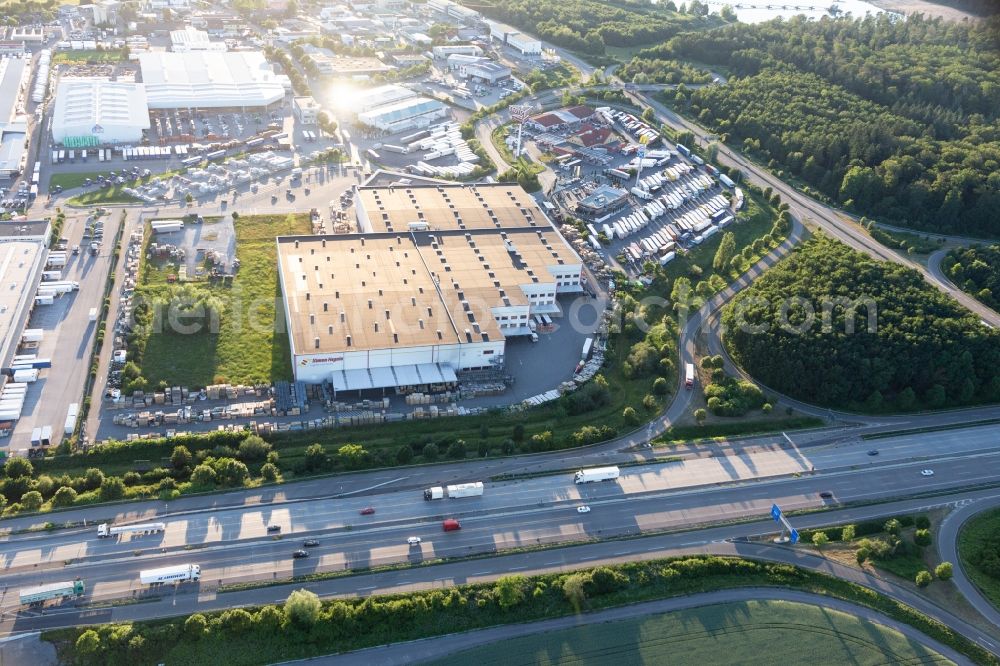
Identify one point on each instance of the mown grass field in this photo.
(85, 56)
(249, 347)
(788, 633)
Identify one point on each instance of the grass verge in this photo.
(713, 430)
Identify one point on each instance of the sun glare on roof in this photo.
(343, 96)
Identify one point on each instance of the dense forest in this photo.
(976, 270)
(587, 26)
(897, 119)
(926, 352)
(643, 70)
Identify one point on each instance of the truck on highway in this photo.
(104, 530)
(180, 573)
(454, 491)
(596, 474)
(689, 375)
(31, 596)
(450, 525)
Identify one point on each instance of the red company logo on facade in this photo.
(316, 361)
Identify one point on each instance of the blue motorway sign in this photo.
(775, 512)
(794, 535)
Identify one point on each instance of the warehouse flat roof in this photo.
(20, 262)
(397, 290)
(94, 105)
(209, 79)
(450, 206)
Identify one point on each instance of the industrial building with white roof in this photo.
(114, 111)
(438, 278)
(209, 80)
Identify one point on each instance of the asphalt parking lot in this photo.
(69, 336)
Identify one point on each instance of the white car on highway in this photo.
(926, 472)
(413, 541)
(583, 509)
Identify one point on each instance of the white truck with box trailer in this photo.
(180, 573)
(105, 530)
(31, 596)
(454, 491)
(596, 474)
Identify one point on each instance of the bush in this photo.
(457, 449)
(922, 537)
(302, 608)
(923, 579)
(316, 458)
(65, 496)
(847, 534)
(253, 448)
(269, 472)
(32, 501)
(430, 452)
(892, 526)
(236, 620)
(660, 386)
(650, 402)
(132, 478)
(944, 571)
(93, 478)
(196, 626)
(113, 488)
(404, 454)
(180, 458)
(630, 416)
(16, 468)
(509, 591)
(203, 475)
(820, 539)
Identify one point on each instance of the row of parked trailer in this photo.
(634, 126)
(698, 225)
(439, 141)
(154, 152)
(42, 74)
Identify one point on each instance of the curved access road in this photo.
(807, 209)
(947, 545)
(438, 647)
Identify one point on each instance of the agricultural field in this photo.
(788, 633)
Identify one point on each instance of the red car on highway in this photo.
(367, 511)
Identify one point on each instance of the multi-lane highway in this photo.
(233, 545)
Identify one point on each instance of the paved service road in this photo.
(438, 647)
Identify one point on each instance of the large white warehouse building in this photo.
(114, 112)
(209, 80)
(439, 278)
(404, 115)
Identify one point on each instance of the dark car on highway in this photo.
(299, 554)
(310, 543)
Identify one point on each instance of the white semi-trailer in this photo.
(104, 530)
(454, 491)
(596, 474)
(180, 573)
(42, 593)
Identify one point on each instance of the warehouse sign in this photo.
(97, 129)
(320, 360)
